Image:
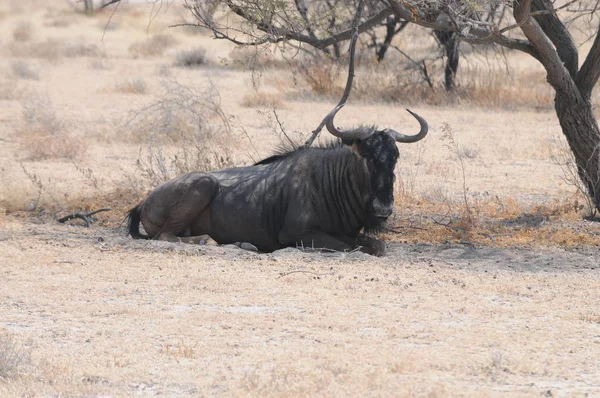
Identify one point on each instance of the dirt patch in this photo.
(103, 314)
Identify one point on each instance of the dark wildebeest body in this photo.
(310, 197)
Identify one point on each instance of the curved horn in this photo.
(399, 137)
(357, 134)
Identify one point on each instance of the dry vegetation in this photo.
(489, 287)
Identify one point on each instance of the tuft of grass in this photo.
(100, 64)
(50, 49)
(132, 86)
(259, 99)
(22, 70)
(81, 49)
(192, 58)
(23, 32)
(44, 136)
(152, 47)
(321, 75)
(9, 90)
(13, 358)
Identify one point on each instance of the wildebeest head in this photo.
(378, 150)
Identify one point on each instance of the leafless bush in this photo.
(43, 135)
(13, 359)
(9, 90)
(260, 99)
(22, 70)
(23, 31)
(321, 75)
(100, 64)
(185, 130)
(152, 47)
(81, 49)
(49, 49)
(192, 58)
(132, 86)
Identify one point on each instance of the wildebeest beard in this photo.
(373, 224)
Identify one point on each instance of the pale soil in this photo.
(103, 315)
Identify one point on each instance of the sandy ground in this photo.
(99, 314)
(104, 315)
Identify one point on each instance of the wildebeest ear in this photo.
(354, 148)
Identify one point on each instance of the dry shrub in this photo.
(81, 49)
(562, 156)
(185, 130)
(132, 86)
(22, 70)
(9, 90)
(100, 64)
(152, 47)
(14, 360)
(49, 49)
(256, 58)
(259, 99)
(406, 82)
(44, 136)
(192, 58)
(497, 89)
(23, 31)
(322, 76)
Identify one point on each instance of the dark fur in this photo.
(322, 196)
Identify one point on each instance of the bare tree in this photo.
(543, 34)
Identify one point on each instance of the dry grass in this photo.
(452, 313)
(14, 360)
(261, 99)
(492, 222)
(153, 47)
(44, 136)
(382, 83)
(82, 49)
(185, 130)
(10, 90)
(132, 86)
(23, 32)
(49, 49)
(193, 58)
(22, 70)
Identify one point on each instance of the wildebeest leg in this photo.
(171, 237)
(370, 245)
(318, 240)
(179, 210)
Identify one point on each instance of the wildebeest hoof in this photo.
(246, 246)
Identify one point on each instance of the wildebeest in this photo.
(328, 197)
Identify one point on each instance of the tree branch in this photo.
(469, 32)
(312, 41)
(558, 75)
(546, 17)
(348, 88)
(589, 73)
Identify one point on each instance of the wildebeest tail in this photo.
(133, 223)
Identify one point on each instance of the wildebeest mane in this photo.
(285, 150)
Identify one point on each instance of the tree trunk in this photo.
(576, 117)
(89, 6)
(450, 43)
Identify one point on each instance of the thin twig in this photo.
(282, 129)
(281, 275)
(111, 15)
(346, 94)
